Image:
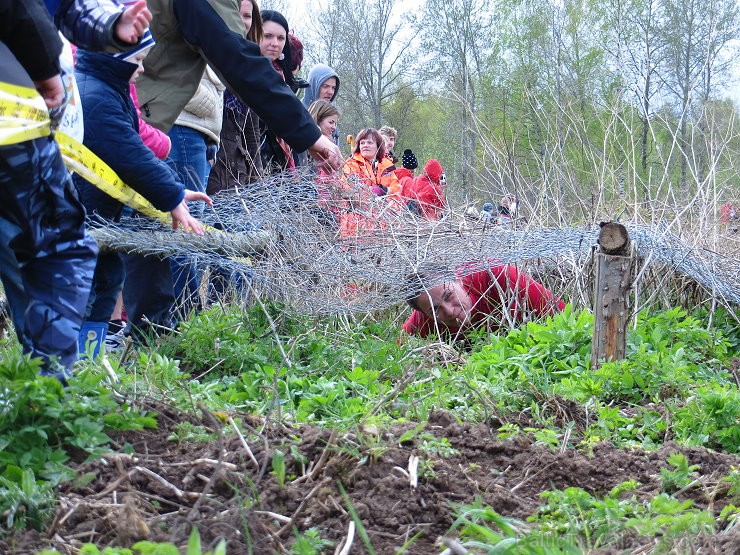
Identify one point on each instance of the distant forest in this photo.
(572, 105)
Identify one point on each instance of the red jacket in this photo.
(402, 173)
(428, 196)
(503, 288)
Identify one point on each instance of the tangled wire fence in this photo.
(337, 249)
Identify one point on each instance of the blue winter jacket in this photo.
(112, 132)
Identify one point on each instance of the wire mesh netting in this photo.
(324, 246)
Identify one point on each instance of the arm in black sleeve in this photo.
(29, 33)
(245, 71)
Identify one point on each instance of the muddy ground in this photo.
(165, 487)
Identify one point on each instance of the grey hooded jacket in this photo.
(316, 77)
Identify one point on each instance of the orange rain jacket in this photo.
(382, 173)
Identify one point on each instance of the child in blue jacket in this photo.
(112, 133)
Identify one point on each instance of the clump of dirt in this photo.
(231, 491)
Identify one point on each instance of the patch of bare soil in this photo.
(164, 488)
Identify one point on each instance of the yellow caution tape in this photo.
(84, 163)
(23, 114)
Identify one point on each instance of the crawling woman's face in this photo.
(449, 303)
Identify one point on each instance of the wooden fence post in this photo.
(611, 314)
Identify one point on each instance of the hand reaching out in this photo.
(181, 218)
(327, 154)
(51, 90)
(133, 22)
(197, 195)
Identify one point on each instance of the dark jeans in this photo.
(147, 294)
(146, 281)
(107, 284)
(47, 257)
(10, 274)
(109, 271)
(188, 158)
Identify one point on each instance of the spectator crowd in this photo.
(183, 99)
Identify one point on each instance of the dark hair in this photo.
(296, 52)
(375, 134)
(287, 62)
(424, 278)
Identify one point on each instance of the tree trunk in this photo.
(611, 315)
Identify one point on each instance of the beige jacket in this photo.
(191, 32)
(205, 110)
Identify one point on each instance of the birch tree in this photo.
(366, 46)
(456, 36)
(696, 31)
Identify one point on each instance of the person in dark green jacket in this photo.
(191, 33)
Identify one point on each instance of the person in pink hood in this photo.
(425, 194)
(158, 142)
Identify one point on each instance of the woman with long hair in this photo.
(277, 156)
(238, 161)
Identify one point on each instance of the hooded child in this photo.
(112, 133)
(425, 193)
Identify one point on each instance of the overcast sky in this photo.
(297, 11)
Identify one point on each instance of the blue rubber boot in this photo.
(92, 337)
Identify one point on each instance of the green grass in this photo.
(339, 374)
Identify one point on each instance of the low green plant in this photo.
(545, 436)
(187, 431)
(681, 475)
(24, 501)
(670, 519)
(576, 515)
(436, 447)
(298, 457)
(410, 435)
(667, 354)
(733, 479)
(533, 358)
(278, 466)
(41, 422)
(479, 527)
(508, 431)
(194, 547)
(592, 523)
(309, 542)
(635, 427)
(709, 418)
(729, 516)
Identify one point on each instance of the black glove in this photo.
(301, 83)
(414, 207)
